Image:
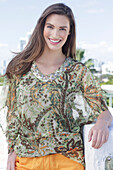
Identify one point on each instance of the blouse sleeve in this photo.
(93, 94)
(11, 130)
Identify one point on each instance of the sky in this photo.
(94, 25)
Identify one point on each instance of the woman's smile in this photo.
(54, 41)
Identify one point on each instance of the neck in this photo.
(51, 57)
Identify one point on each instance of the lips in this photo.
(53, 41)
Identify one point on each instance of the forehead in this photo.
(60, 20)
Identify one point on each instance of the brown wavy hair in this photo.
(22, 62)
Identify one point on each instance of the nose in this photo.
(55, 33)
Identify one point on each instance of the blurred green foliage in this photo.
(1, 80)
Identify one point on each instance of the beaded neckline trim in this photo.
(52, 76)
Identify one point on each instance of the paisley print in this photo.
(46, 114)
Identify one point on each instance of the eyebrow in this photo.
(53, 25)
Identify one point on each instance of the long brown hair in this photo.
(22, 62)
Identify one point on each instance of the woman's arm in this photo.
(99, 133)
(11, 161)
(96, 99)
(12, 127)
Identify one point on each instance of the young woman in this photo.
(50, 97)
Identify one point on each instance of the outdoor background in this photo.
(94, 27)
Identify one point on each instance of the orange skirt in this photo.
(49, 162)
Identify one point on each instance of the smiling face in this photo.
(56, 31)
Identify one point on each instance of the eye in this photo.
(62, 29)
(49, 26)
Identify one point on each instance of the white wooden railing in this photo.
(109, 91)
(110, 96)
(95, 158)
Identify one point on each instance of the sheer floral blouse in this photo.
(46, 113)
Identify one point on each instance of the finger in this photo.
(94, 138)
(8, 167)
(12, 167)
(100, 136)
(103, 138)
(103, 141)
(90, 135)
(13, 164)
(107, 136)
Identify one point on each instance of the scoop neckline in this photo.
(50, 76)
(53, 71)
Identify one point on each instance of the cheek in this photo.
(64, 35)
(46, 33)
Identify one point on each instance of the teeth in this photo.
(54, 41)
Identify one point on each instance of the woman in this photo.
(51, 96)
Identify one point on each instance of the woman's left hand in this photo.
(99, 134)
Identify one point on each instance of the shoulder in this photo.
(12, 81)
(77, 64)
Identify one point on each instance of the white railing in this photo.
(95, 158)
(110, 96)
(109, 91)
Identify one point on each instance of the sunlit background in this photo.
(94, 26)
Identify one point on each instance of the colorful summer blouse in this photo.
(46, 114)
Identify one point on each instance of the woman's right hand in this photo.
(11, 161)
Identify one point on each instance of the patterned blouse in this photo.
(46, 114)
